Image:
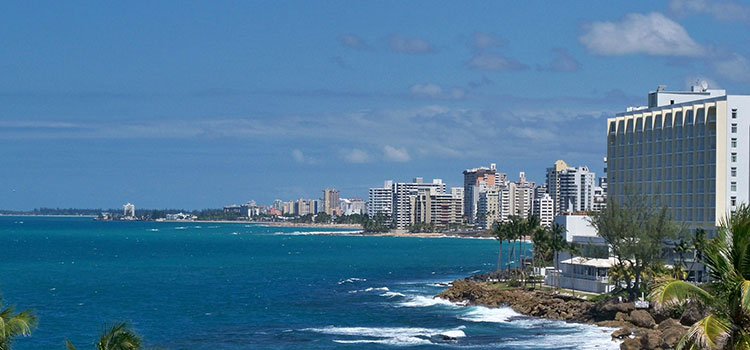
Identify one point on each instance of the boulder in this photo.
(631, 344)
(669, 323)
(621, 316)
(692, 314)
(671, 336)
(615, 324)
(642, 318)
(650, 340)
(618, 307)
(621, 333)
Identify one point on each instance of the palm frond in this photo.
(69, 345)
(711, 332)
(675, 292)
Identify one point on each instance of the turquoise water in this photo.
(238, 286)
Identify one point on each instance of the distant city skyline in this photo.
(197, 105)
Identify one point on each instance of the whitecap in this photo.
(423, 301)
(399, 336)
(351, 280)
(154, 230)
(392, 294)
(569, 336)
(485, 314)
(180, 227)
(384, 289)
(235, 233)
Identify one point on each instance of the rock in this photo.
(650, 340)
(621, 333)
(618, 307)
(615, 324)
(631, 344)
(692, 314)
(669, 323)
(671, 336)
(642, 318)
(621, 316)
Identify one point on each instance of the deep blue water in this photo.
(237, 286)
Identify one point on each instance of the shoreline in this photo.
(634, 328)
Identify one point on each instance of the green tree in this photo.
(557, 243)
(499, 231)
(14, 325)
(636, 231)
(322, 218)
(728, 295)
(118, 337)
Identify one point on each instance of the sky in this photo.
(203, 104)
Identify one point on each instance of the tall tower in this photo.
(331, 201)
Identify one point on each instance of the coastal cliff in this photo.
(639, 329)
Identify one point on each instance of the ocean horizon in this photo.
(194, 285)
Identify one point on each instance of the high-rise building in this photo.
(381, 200)
(401, 208)
(331, 201)
(686, 149)
(432, 207)
(474, 179)
(571, 188)
(128, 210)
(544, 209)
(488, 207)
(305, 207)
(350, 206)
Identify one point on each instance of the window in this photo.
(734, 113)
(734, 128)
(734, 157)
(734, 142)
(671, 102)
(734, 201)
(734, 172)
(733, 187)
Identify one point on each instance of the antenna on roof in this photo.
(660, 88)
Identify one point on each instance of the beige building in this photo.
(432, 207)
(331, 201)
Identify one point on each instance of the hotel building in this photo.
(690, 149)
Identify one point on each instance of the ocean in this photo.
(246, 286)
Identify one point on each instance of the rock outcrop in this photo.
(637, 328)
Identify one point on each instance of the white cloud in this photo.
(721, 10)
(396, 154)
(650, 34)
(436, 91)
(736, 67)
(562, 62)
(492, 61)
(300, 157)
(355, 155)
(352, 41)
(398, 43)
(485, 41)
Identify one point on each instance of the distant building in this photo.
(381, 200)
(401, 209)
(474, 180)
(544, 209)
(128, 210)
(430, 206)
(181, 217)
(278, 204)
(349, 206)
(234, 209)
(305, 207)
(571, 188)
(331, 201)
(288, 208)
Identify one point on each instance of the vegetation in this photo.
(118, 337)
(14, 325)
(378, 224)
(728, 297)
(636, 231)
(421, 227)
(513, 231)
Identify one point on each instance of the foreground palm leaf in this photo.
(119, 337)
(728, 297)
(13, 325)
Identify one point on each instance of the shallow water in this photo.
(240, 286)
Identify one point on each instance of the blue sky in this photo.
(195, 105)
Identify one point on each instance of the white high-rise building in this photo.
(571, 188)
(431, 207)
(474, 181)
(690, 150)
(401, 207)
(350, 206)
(544, 209)
(128, 210)
(381, 200)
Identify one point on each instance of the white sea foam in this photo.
(392, 294)
(352, 280)
(180, 227)
(310, 233)
(399, 336)
(485, 314)
(384, 289)
(424, 301)
(571, 336)
(154, 230)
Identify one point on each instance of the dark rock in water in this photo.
(621, 333)
(642, 318)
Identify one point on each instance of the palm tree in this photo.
(118, 337)
(13, 325)
(727, 297)
(500, 231)
(557, 243)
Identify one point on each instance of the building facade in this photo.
(571, 188)
(331, 201)
(474, 180)
(380, 200)
(401, 206)
(689, 150)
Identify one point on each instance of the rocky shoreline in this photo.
(637, 328)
